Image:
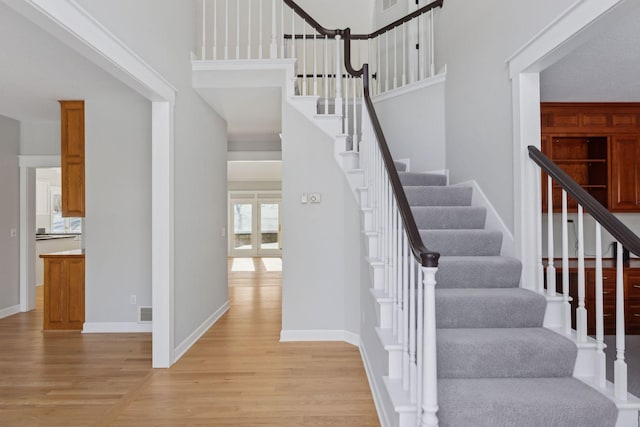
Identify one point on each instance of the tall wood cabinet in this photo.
(72, 158)
(598, 145)
(63, 290)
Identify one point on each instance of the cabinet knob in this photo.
(609, 315)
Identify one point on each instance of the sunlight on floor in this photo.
(243, 264)
(272, 264)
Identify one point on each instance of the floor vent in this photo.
(144, 315)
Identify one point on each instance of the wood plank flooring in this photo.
(238, 374)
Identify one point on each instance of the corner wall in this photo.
(9, 216)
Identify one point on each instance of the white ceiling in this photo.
(37, 70)
(606, 68)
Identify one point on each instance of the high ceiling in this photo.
(603, 69)
(37, 70)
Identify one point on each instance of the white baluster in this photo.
(273, 49)
(325, 83)
(539, 264)
(237, 29)
(379, 68)
(215, 29)
(404, 54)
(338, 64)
(347, 121)
(565, 267)
(432, 50)
(406, 307)
(304, 58)
(249, 29)
(283, 50)
(551, 269)
(413, 307)
(620, 366)
(421, 48)
(315, 64)
(386, 63)
(581, 311)
(226, 29)
(395, 57)
(354, 137)
(430, 370)
(393, 271)
(203, 51)
(260, 29)
(293, 34)
(601, 367)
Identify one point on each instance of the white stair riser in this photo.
(372, 245)
(386, 314)
(307, 105)
(356, 178)
(627, 418)
(395, 364)
(407, 419)
(367, 220)
(377, 276)
(350, 161)
(364, 197)
(585, 362)
(553, 316)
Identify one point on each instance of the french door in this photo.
(255, 226)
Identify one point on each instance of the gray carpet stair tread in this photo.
(416, 178)
(438, 195)
(478, 272)
(400, 167)
(449, 217)
(489, 308)
(504, 352)
(522, 402)
(463, 242)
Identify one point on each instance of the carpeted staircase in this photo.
(497, 364)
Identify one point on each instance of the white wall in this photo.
(163, 33)
(9, 213)
(118, 206)
(321, 252)
(340, 14)
(474, 39)
(40, 138)
(414, 125)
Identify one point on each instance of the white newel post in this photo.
(338, 101)
(551, 269)
(430, 367)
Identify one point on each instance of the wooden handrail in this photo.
(613, 225)
(426, 257)
(399, 22)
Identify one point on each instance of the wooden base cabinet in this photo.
(63, 291)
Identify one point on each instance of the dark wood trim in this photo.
(424, 256)
(613, 225)
(399, 22)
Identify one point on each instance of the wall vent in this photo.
(144, 315)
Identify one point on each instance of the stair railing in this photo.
(404, 268)
(559, 185)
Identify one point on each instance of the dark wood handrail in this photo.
(613, 225)
(425, 257)
(399, 22)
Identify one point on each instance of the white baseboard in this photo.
(115, 328)
(320, 335)
(9, 311)
(376, 392)
(185, 345)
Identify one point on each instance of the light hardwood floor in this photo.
(238, 374)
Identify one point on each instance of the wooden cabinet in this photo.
(63, 290)
(625, 186)
(609, 279)
(598, 145)
(72, 158)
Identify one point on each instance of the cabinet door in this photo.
(72, 156)
(75, 270)
(55, 294)
(625, 171)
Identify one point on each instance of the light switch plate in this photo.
(303, 198)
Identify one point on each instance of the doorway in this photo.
(255, 224)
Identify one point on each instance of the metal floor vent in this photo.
(144, 315)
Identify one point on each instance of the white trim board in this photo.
(411, 87)
(320, 335)
(115, 328)
(375, 388)
(9, 311)
(199, 332)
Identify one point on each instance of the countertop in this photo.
(55, 236)
(75, 253)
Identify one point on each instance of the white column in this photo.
(565, 267)
(273, 49)
(620, 366)
(338, 100)
(581, 311)
(600, 368)
(551, 269)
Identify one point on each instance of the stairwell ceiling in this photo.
(604, 69)
(37, 70)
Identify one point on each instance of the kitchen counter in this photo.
(55, 236)
(74, 253)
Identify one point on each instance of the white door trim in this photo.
(70, 23)
(554, 42)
